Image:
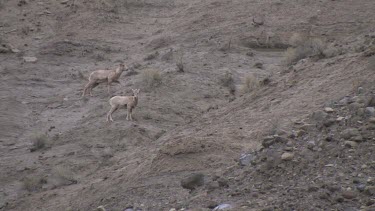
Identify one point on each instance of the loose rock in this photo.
(30, 59)
(328, 110)
(350, 132)
(193, 181)
(370, 190)
(348, 194)
(246, 159)
(370, 111)
(223, 207)
(351, 144)
(287, 156)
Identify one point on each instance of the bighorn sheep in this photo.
(117, 102)
(102, 76)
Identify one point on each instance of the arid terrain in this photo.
(243, 105)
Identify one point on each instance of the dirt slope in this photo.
(190, 122)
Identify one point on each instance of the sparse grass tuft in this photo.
(33, 183)
(39, 141)
(179, 64)
(151, 78)
(228, 81)
(251, 83)
(303, 47)
(151, 56)
(296, 40)
(65, 175)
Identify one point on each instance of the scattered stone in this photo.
(328, 110)
(258, 65)
(370, 111)
(223, 182)
(371, 101)
(370, 181)
(288, 149)
(370, 190)
(268, 141)
(333, 188)
(223, 207)
(345, 101)
(351, 144)
(329, 122)
(311, 145)
(372, 120)
(250, 54)
(359, 99)
(340, 118)
(361, 187)
(330, 138)
(289, 143)
(280, 139)
(350, 132)
(355, 106)
(313, 188)
(287, 156)
(319, 116)
(300, 133)
(358, 138)
(360, 90)
(339, 199)
(307, 127)
(193, 181)
(15, 50)
(30, 59)
(348, 194)
(246, 159)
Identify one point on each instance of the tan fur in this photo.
(117, 102)
(101, 76)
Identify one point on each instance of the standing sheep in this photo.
(117, 102)
(102, 76)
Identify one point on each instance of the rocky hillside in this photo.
(244, 105)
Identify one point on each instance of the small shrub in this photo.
(151, 78)
(296, 40)
(228, 81)
(179, 64)
(39, 141)
(65, 175)
(33, 183)
(250, 84)
(151, 56)
(302, 48)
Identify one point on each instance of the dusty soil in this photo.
(191, 122)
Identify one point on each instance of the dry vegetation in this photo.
(151, 78)
(64, 175)
(33, 183)
(39, 141)
(303, 47)
(251, 83)
(227, 81)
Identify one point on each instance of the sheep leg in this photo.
(129, 113)
(86, 88)
(109, 115)
(93, 86)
